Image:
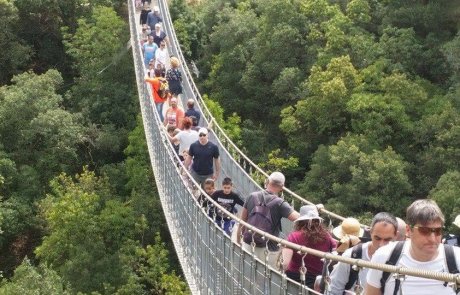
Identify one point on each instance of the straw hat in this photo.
(349, 227)
(457, 221)
(308, 212)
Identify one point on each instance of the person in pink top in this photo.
(174, 115)
(310, 232)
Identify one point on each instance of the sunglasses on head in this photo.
(202, 135)
(426, 231)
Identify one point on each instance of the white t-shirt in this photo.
(412, 285)
(161, 57)
(341, 272)
(186, 138)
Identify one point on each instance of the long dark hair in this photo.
(314, 230)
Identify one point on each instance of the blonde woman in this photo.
(174, 77)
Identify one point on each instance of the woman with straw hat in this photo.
(308, 231)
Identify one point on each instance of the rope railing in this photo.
(210, 260)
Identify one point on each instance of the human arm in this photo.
(287, 256)
(244, 217)
(174, 139)
(216, 168)
(339, 276)
(180, 119)
(371, 290)
(293, 216)
(188, 159)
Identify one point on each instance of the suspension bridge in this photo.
(212, 263)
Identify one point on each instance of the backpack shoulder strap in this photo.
(394, 257)
(258, 199)
(356, 253)
(450, 259)
(451, 262)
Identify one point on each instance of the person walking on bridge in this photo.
(309, 231)
(155, 83)
(423, 250)
(263, 206)
(205, 157)
(383, 230)
(153, 17)
(191, 111)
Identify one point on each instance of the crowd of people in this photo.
(419, 244)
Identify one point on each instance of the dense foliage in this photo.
(363, 93)
(79, 211)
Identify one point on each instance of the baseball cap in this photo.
(203, 131)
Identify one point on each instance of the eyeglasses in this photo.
(202, 135)
(426, 231)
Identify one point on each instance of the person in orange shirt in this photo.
(157, 99)
(174, 115)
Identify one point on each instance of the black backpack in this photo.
(356, 253)
(261, 217)
(396, 254)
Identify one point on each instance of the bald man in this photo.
(401, 234)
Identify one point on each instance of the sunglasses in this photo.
(202, 135)
(426, 231)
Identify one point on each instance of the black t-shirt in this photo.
(227, 201)
(203, 156)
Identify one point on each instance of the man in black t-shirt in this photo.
(227, 199)
(203, 157)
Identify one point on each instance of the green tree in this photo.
(352, 176)
(15, 53)
(437, 138)
(149, 271)
(321, 117)
(101, 92)
(141, 186)
(86, 230)
(446, 195)
(34, 129)
(231, 125)
(28, 279)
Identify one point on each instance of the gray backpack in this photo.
(261, 217)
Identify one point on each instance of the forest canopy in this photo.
(79, 210)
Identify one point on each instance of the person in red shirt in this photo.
(157, 99)
(310, 232)
(174, 115)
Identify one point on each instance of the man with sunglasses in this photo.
(382, 231)
(422, 251)
(205, 156)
